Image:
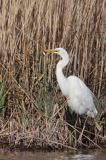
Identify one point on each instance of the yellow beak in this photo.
(51, 51)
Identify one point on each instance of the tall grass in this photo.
(34, 107)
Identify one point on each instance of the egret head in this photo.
(60, 51)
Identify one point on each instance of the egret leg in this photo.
(77, 118)
(81, 134)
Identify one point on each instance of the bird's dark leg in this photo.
(81, 134)
(76, 123)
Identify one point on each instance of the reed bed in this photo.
(32, 109)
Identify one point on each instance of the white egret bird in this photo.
(79, 96)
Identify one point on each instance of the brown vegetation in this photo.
(31, 106)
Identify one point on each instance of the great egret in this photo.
(79, 96)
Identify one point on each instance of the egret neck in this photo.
(62, 80)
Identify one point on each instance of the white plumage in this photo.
(79, 96)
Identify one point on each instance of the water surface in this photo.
(80, 155)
